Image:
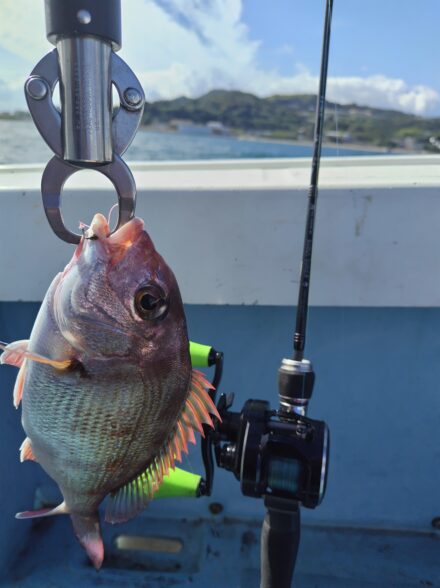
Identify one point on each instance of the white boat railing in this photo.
(233, 230)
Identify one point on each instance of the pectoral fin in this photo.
(15, 354)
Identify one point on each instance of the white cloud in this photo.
(384, 92)
(204, 45)
(188, 47)
(22, 29)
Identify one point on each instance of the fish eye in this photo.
(151, 302)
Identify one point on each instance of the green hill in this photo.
(292, 117)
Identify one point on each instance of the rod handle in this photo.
(280, 537)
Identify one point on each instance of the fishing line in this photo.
(187, 463)
(110, 214)
(336, 130)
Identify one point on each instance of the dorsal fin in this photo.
(132, 498)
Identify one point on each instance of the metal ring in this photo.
(58, 171)
(48, 120)
(128, 118)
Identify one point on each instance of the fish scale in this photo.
(73, 421)
(109, 399)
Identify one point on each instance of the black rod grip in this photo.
(280, 536)
(71, 18)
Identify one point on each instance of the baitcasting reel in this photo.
(273, 453)
(278, 455)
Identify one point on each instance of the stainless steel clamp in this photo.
(86, 133)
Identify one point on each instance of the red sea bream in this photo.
(109, 399)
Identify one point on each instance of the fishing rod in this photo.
(279, 455)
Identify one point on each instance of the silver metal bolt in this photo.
(36, 88)
(133, 97)
(84, 16)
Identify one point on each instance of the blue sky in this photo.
(383, 53)
(396, 39)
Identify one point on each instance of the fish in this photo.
(109, 397)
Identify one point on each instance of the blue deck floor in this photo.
(225, 553)
(383, 407)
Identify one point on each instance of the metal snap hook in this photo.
(57, 173)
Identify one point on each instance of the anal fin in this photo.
(130, 500)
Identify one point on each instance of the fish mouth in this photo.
(128, 234)
(123, 237)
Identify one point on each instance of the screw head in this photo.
(133, 97)
(435, 523)
(216, 508)
(37, 88)
(84, 17)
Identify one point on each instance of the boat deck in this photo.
(225, 553)
(233, 234)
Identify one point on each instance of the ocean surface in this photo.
(20, 142)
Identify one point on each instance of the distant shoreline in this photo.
(343, 146)
(261, 139)
(281, 119)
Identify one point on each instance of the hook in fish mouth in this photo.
(88, 235)
(100, 225)
(85, 230)
(125, 236)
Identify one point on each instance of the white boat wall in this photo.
(233, 232)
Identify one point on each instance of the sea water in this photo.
(21, 143)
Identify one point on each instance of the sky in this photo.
(383, 52)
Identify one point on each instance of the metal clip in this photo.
(58, 171)
(39, 89)
(74, 135)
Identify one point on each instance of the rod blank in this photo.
(304, 287)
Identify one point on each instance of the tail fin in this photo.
(88, 532)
